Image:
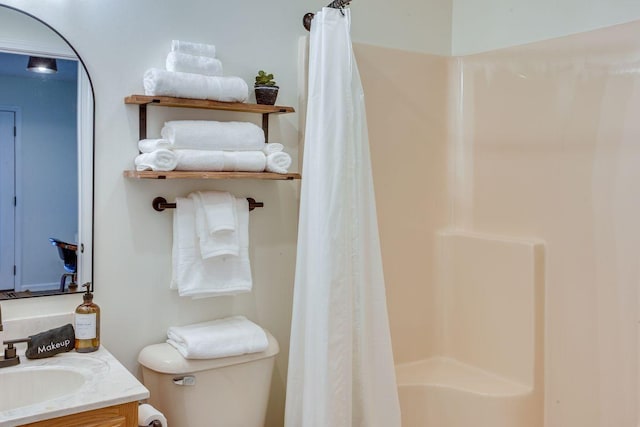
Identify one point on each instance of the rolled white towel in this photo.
(273, 147)
(220, 161)
(231, 336)
(201, 49)
(185, 63)
(159, 82)
(278, 162)
(151, 145)
(244, 161)
(159, 160)
(213, 135)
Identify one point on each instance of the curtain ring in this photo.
(306, 21)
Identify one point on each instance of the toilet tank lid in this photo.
(165, 359)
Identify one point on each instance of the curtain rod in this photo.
(336, 4)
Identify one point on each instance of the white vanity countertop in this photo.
(107, 383)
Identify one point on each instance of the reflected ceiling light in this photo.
(42, 65)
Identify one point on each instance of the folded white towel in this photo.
(231, 336)
(220, 161)
(151, 145)
(278, 162)
(192, 48)
(273, 147)
(159, 82)
(158, 160)
(213, 135)
(216, 223)
(185, 63)
(201, 278)
(220, 210)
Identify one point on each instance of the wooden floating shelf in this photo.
(210, 175)
(167, 101)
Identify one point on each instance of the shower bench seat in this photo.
(441, 391)
(450, 373)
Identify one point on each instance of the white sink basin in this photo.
(30, 385)
(65, 384)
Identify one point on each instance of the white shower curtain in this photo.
(341, 371)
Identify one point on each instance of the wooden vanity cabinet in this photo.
(123, 415)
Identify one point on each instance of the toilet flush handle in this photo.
(186, 380)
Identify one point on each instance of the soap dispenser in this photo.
(87, 323)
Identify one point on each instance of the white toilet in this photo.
(225, 392)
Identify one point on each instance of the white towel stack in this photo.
(193, 71)
(202, 145)
(211, 245)
(213, 135)
(231, 336)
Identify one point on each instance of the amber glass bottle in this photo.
(87, 324)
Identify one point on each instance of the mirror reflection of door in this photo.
(7, 198)
(39, 165)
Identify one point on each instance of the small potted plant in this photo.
(266, 89)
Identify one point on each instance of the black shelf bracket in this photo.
(142, 121)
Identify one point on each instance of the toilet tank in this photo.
(225, 392)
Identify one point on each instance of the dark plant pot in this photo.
(266, 95)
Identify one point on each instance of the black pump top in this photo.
(88, 296)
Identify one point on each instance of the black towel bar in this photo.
(160, 204)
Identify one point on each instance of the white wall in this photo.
(484, 25)
(118, 41)
(23, 33)
(412, 25)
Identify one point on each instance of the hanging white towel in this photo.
(220, 161)
(216, 223)
(201, 278)
(182, 253)
(201, 49)
(159, 160)
(159, 82)
(185, 63)
(341, 371)
(220, 210)
(213, 135)
(151, 145)
(231, 336)
(278, 162)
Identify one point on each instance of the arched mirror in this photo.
(46, 161)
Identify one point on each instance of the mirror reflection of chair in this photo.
(68, 254)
